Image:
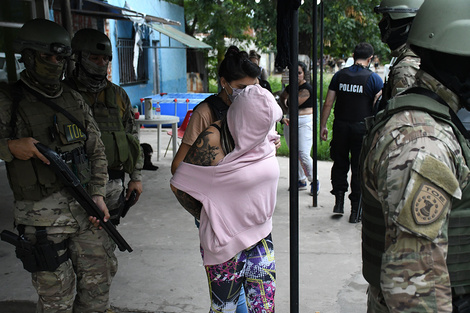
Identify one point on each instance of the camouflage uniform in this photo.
(402, 72)
(113, 112)
(115, 187)
(80, 284)
(413, 160)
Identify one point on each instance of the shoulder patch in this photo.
(428, 204)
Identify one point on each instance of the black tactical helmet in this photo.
(92, 41)
(399, 9)
(397, 18)
(43, 36)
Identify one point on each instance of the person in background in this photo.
(263, 77)
(397, 18)
(415, 169)
(235, 73)
(355, 90)
(112, 110)
(235, 235)
(306, 107)
(40, 108)
(376, 63)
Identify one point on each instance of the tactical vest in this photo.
(32, 179)
(352, 102)
(217, 106)
(122, 149)
(373, 233)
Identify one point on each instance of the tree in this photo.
(217, 20)
(347, 22)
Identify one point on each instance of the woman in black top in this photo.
(305, 129)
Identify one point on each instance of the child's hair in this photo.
(237, 65)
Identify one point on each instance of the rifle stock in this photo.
(72, 183)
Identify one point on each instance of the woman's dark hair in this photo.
(237, 65)
(303, 66)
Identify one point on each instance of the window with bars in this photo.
(126, 59)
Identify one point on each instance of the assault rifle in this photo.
(73, 185)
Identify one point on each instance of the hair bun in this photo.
(232, 50)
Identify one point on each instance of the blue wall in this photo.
(171, 62)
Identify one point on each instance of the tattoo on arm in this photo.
(201, 152)
(189, 203)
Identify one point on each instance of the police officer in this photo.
(40, 108)
(355, 89)
(113, 112)
(395, 27)
(415, 176)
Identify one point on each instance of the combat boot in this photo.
(356, 213)
(339, 204)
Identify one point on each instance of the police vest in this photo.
(352, 102)
(373, 234)
(32, 179)
(122, 149)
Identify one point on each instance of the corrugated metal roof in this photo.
(178, 35)
(105, 10)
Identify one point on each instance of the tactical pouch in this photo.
(41, 256)
(26, 253)
(47, 258)
(80, 165)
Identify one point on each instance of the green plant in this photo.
(275, 82)
(213, 86)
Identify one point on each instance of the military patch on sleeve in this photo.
(428, 204)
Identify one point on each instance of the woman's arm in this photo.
(189, 203)
(206, 151)
(304, 94)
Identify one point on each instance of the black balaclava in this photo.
(453, 71)
(394, 32)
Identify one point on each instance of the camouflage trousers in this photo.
(114, 188)
(82, 283)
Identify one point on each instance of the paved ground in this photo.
(164, 273)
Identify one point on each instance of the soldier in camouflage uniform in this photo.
(113, 112)
(415, 176)
(394, 27)
(39, 108)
